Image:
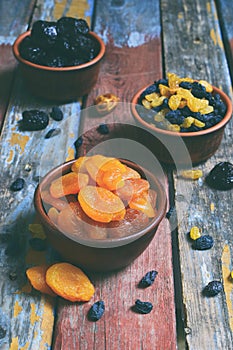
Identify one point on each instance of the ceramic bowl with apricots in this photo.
(100, 212)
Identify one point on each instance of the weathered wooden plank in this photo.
(225, 13)
(193, 47)
(10, 26)
(26, 317)
(133, 59)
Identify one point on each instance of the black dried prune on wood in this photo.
(203, 243)
(221, 176)
(96, 311)
(213, 288)
(142, 307)
(148, 279)
(33, 120)
(17, 185)
(56, 114)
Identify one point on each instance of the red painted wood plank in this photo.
(125, 69)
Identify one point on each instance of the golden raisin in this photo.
(195, 233)
(193, 174)
(106, 103)
(69, 282)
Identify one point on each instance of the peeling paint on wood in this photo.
(227, 281)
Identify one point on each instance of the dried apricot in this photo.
(53, 214)
(70, 183)
(101, 204)
(36, 276)
(79, 165)
(130, 173)
(142, 203)
(69, 282)
(68, 221)
(132, 187)
(57, 203)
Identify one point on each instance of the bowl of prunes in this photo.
(100, 212)
(59, 60)
(186, 118)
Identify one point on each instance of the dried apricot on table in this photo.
(69, 282)
(101, 204)
(70, 183)
(36, 276)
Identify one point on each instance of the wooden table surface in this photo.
(144, 40)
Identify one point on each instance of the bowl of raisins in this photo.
(99, 212)
(186, 118)
(59, 60)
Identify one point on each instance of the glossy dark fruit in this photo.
(17, 185)
(143, 307)
(203, 243)
(148, 279)
(96, 311)
(33, 120)
(52, 133)
(213, 288)
(103, 129)
(2, 332)
(56, 114)
(221, 176)
(59, 44)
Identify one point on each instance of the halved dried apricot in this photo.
(68, 184)
(57, 203)
(69, 282)
(131, 188)
(79, 165)
(69, 222)
(36, 276)
(143, 203)
(101, 204)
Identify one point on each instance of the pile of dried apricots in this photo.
(103, 192)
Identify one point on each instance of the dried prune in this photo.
(33, 120)
(52, 133)
(103, 129)
(143, 307)
(203, 243)
(44, 33)
(56, 114)
(221, 176)
(17, 185)
(213, 288)
(148, 279)
(96, 311)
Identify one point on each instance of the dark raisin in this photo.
(13, 276)
(44, 33)
(33, 120)
(213, 288)
(186, 85)
(103, 129)
(2, 332)
(170, 212)
(56, 114)
(96, 311)
(221, 176)
(175, 117)
(52, 133)
(78, 143)
(142, 307)
(148, 279)
(38, 244)
(17, 185)
(203, 243)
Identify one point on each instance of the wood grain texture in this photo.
(26, 316)
(195, 49)
(124, 69)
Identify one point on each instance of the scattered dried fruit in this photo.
(143, 307)
(56, 114)
(103, 129)
(203, 243)
(221, 176)
(106, 103)
(148, 279)
(52, 133)
(213, 288)
(36, 276)
(17, 185)
(96, 311)
(33, 120)
(69, 282)
(195, 233)
(193, 174)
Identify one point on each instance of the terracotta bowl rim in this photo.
(89, 64)
(103, 243)
(210, 130)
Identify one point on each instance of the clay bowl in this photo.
(60, 84)
(99, 254)
(184, 148)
